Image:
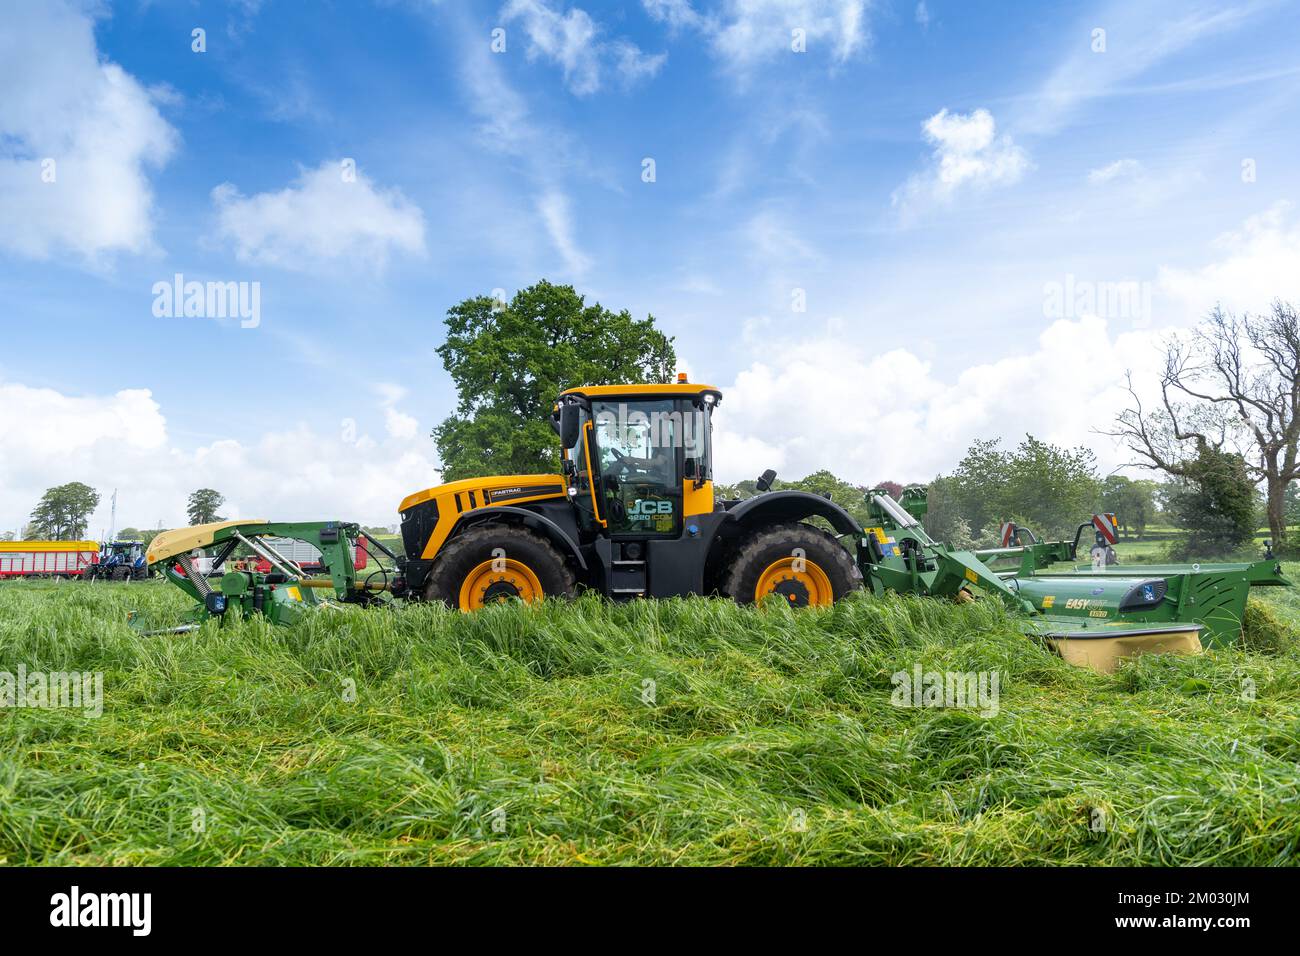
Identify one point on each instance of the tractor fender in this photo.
(793, 506)
(510, 514)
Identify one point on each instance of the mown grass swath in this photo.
(662, 732)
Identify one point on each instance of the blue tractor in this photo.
(120, 561)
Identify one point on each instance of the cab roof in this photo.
(676, 388)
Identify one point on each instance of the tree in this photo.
(979, 486)
(6, 535)
(852, 498)
(892, 488)
(1038, 485)
(510, 361)
(737, 492)
(1133, 502)
(1051, 489)
(203, 505)
(1291, 504)
(943, 518)
(1232, 386)
(1216, 502)
(135, 534)
(64, 512)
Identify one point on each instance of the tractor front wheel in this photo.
(497, 563)
(802, 565)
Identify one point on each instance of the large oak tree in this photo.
(509, 361)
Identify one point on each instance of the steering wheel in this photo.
(626, 467)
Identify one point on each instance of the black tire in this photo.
(762, 548)
(467, 552)
(120, 573)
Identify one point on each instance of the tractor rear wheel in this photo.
(802, 565)
(496, 563)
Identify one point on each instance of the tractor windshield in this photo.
(638, 443)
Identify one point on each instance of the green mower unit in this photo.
(1091, 616)
(285, 593)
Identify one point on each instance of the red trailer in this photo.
(46, 559)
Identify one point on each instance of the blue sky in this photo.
(921, 178)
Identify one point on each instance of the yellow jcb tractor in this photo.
(632, 515)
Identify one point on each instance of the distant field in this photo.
(675, 732)
(1151, 547)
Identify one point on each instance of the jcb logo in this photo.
(642, 507)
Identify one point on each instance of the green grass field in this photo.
(678, 732)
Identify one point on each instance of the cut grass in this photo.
(673, 732)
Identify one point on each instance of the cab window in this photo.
(638, 446)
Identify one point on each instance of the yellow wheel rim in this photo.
(799, 581)
(497, 580)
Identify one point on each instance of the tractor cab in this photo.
(638, 458)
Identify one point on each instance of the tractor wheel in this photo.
(121, 574)
(492, 564)
(803, 565)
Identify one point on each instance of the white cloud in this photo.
(61, 102)
(632, 64)
(676, 13)
(572, 41)
(1120, 169)
(322, 220)
(122, 441)
(502, 112)
(772, 241)
(745, 33)
(1138, 37)
(397, 423)
(923, 15)
(912, 423)
(968, 154)
(555, 212)
(909, 422)
(1257, 263)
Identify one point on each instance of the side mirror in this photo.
(765, 480)
(690, 469)
(570, 420)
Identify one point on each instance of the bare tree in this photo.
(1233, 381)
